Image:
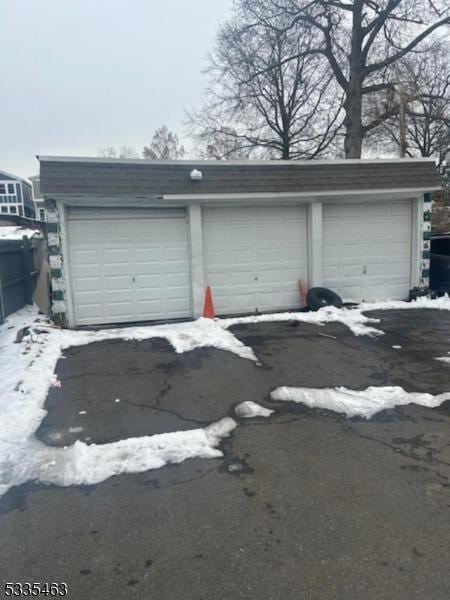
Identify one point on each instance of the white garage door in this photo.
(367, 250)
(129, 265)
(254, 257)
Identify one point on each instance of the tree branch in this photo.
(395, 57)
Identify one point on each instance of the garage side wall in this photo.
(56, 261)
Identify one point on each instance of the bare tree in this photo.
(362, 40)
(165, 145)
(260, 104)
(222, 144)
(424, 92)
(121, 152)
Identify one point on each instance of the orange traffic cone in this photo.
(208, 309)
(303, 289)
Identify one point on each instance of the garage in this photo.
(129, 265)
(133, 240)
(254, 256)
(367, 250)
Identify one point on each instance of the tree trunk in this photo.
(353, 100)
(353, 120)
(286, 151)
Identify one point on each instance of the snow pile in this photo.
(252, 409)
(17, 233)
(354, 318)
(83, 464)
(353, 403)
(88, 464)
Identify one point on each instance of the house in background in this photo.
(16, 196)
(41, 213)
(137, 240)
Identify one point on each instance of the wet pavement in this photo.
(306, 504)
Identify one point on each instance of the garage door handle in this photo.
(364, 269)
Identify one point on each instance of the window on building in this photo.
(2, 188)
(13, 209)
(4, 209)
(11, 188)
(42, 214)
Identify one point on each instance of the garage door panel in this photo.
(115, 256)
(350, 270)
(180, 279)
(253, 254)
(117, 282)
(375, 209)
(147, 255)
(115, 296)
(126, 269)
(86, 284)
(154, 281)
(148, 269)
(90, 312)
(240, 240)
(90, 297)
(150, 308)
(175, 254)
(84, 257)
(381, 248)
(175, 296)
(367, 250)
(119, 308)
(400, 210)
(350, 251)
(150, 293)
(330, 272)
(178, 269)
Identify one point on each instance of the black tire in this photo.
(319, 297)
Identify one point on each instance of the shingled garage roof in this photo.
(113, 177)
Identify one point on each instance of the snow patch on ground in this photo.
(249, 409)
(183, 337)
(353, 403)
(354, 318)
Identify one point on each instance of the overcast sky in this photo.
(79, 75)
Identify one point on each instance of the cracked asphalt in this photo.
(304, 505)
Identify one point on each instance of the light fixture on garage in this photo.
(196, 175)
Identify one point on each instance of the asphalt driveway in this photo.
(304, 505)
